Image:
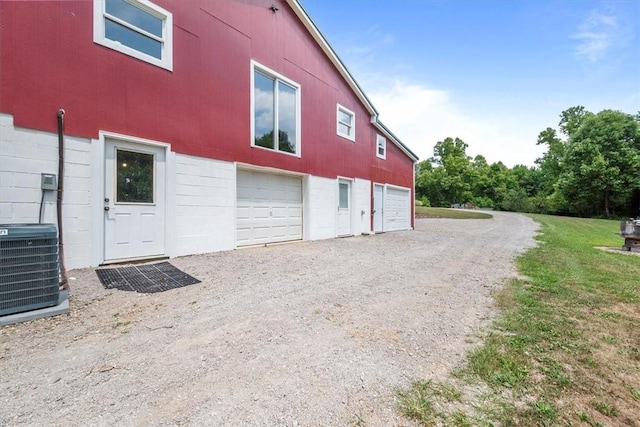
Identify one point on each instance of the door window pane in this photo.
(344, 196)
(134, 177)
(264, 110)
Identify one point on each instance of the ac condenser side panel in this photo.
(28, 267)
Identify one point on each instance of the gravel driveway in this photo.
(308, 334)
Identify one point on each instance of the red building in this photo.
(190, 127)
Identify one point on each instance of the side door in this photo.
(378, 210)
(134, 201)
(344, 208)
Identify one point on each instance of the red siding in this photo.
(49, 61)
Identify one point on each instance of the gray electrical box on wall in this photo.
(49, 181)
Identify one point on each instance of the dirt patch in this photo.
(608, 371)
(311, 333)
(617, 250)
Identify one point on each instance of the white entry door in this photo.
(378, 211)
(344, 208)
(134, 201)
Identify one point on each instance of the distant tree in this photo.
(601, 164)
(482, 182)
(551, 159)
(451, 154)
(572, 118)
(428, 183)
(590, 168)
(449, 150)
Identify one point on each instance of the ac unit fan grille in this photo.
(28, 268)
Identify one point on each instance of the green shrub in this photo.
(483, 202)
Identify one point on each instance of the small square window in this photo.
(137, 28)
(346, 123)
(381, 147)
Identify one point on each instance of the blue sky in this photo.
(492, 72)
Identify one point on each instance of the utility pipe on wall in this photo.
(64, 284)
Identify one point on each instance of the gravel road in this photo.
(302, 334)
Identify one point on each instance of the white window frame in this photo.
(256, 66)
(99, 13)
(381, 139)
(345, 110)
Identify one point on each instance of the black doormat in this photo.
(146, 279)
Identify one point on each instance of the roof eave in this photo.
(385, 130)
(331, 54)
(315, 32)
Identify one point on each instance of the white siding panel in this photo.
(204, 210)
(320, 208)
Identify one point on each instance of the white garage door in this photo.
(269, 208)
(397, 209)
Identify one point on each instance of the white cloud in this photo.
(421, 116)
(597, 35)
(368, 43)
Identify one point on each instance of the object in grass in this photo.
(630, 231)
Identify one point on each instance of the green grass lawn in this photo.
(425, 212)
(565, 349)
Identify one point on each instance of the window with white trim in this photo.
(275, 105)
(137, 28)
(381, 146)
(346, 123)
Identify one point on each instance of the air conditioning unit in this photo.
(28, 267)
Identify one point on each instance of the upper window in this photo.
(381, 147)
(137, 28)
(276, 111)
(346, 123)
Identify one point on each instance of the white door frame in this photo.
(378, 208)
(349, 213)
(98, 184)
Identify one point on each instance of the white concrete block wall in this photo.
(321, 204)
(202, 199)
(204, 205)
(24, 155)
(361, 207)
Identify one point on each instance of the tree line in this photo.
(591, 168)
